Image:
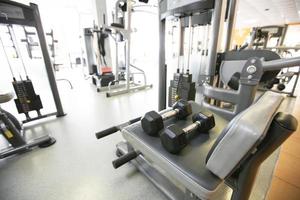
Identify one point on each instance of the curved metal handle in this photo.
(280, 63)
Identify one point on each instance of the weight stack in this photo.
(27, 100)
(105, 79)
(183, 87)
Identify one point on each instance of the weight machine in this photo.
(233, 66)
(120, 32)
(13, 132)
(13, 13)
(260, 39)
(261, 36)
(197, 28)
(229, 155)
(30, 42)
(206, 14)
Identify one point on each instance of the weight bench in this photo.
(12, 131)
(230, 154)
(5, 96)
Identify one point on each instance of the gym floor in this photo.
(78, 166)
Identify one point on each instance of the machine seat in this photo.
(6, 96)
(188, 167)
(209, 158)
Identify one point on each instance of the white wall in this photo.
(67, 18)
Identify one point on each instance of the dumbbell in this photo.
(280, 86)
(153, 122)
(174, 139)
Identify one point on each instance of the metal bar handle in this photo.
(281, 63)
(115, 129)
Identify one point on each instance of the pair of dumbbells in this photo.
(173, 138)
(152, 124)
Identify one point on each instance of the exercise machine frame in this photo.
(118, 87)
(180, 9)
(279, 48)
(12, 130)
(241, 180)
(29, 16)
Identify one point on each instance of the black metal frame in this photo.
(32, 18)
(242, 180)
(12, 131)
(183, 10)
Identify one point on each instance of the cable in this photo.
(18, 50)
(6, 56)
(179, 45)
(190, 44)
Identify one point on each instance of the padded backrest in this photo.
(242, 135)
(6, 96)
(233, 61)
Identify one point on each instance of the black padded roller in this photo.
(125, 159)
(107, 132)
(114, 129)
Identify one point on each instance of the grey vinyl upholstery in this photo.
(242, 134)
(6, 96)
(188, 167)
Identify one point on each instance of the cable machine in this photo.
(191, 50)
(11, 14)
(260, 39)
(199, 13)
(31, 44)
(120, 31)
(157, 143)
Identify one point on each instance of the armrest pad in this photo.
(242, 134)
(6, 96)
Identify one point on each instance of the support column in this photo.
(47, 60)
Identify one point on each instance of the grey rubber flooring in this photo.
(78, 167)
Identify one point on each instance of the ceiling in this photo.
(251, 13)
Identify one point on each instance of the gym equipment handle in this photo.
(134, 120)
(114, 129)
(281, 63)
(106, 132)
(125, 159)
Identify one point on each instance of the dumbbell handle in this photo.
(169, 114)
(125, 159)
(192, 127)
(114, 129)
